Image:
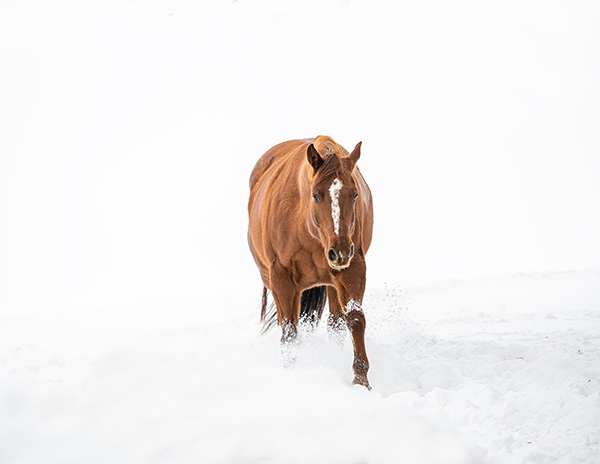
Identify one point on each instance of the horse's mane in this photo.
(332, 165)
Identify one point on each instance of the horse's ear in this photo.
(313, 157)
(355, 153)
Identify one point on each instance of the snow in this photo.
(353, 305)
(129, 301)
(500, 370)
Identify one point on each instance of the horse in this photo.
(310, 225)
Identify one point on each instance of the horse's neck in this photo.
(304, 181)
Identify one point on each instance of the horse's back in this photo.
(283, 153)
(272, 159)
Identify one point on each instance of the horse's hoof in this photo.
(362, 381)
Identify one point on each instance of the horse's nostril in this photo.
(332, 256)
(351, 251)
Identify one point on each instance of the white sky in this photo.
(128, 131)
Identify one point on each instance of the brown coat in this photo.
(310, 226)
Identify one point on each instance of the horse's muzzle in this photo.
(339, 260)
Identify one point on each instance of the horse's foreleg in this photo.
(351, 288)
(287, 301)
(355, 319)
(336, 323)
(336, 313)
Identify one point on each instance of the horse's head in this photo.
(333, 192)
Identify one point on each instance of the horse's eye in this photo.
(316, 197)
(355, 197)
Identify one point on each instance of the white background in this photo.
(129, 130)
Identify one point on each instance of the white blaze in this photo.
(334, 193)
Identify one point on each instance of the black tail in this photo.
(312, 305)
(268, 315)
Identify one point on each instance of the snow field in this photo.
(199, 384)
(118, 119)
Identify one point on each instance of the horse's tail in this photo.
(268, 313)
(312, 305)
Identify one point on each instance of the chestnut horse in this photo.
(310, 226)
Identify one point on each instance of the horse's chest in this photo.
(306, 272)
